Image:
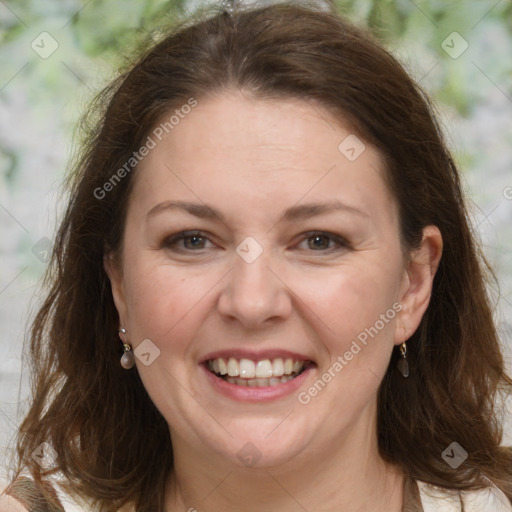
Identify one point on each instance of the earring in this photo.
(403, 365)
(127, 359)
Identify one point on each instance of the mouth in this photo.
(267, 372)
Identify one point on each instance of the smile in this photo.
(261, 373)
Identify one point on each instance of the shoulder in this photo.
(25, 495)
(490, 498)
(9, 504)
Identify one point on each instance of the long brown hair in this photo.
(112, 443)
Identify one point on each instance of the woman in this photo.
(265, 291)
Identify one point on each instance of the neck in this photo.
(351, 476)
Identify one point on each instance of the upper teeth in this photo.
(248, 369)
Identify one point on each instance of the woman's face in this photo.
(293, 252)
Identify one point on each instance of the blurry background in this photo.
(55, 54)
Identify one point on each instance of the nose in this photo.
(254, 293)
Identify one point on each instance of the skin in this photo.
(250, 160)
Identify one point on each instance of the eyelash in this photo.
(171, 242)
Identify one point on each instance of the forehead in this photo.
(267, 151)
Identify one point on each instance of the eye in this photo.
(317, 241)
(320, 241)
(193, 240)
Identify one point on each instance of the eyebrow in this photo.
(298, 212)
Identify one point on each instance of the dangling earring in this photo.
(127, 359)
(403, 365)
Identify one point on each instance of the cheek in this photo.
(165, 302)
(350, 300)
(355, 311)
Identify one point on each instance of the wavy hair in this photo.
(113, 445)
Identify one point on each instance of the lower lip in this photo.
(256, 394)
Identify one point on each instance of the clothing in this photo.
(24, 496)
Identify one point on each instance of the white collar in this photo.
(490, 499)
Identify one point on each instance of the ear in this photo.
(416, 287)
(115, 274)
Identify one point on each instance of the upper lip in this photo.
(255, 355)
